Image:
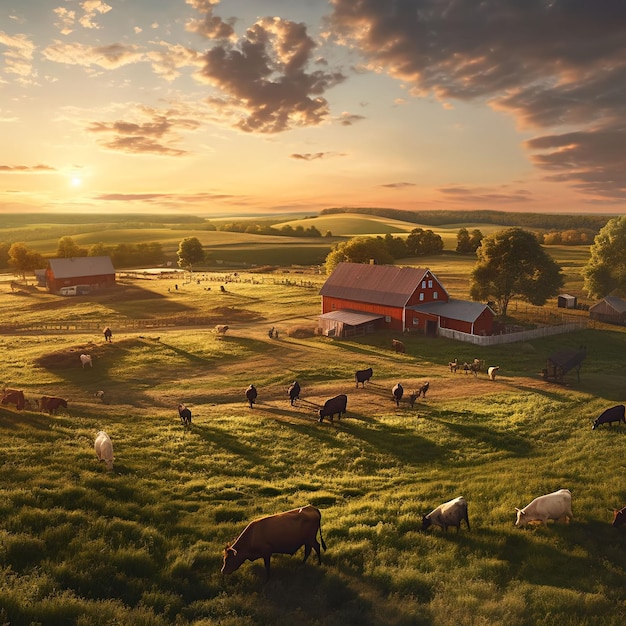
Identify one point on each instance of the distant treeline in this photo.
(130, 220)
(252, 227)
(442, 218)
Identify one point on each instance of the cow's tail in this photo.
(322, 538)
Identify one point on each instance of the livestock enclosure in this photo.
(142, 544)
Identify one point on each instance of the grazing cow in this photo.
(450, 513)
(85, 359)
(492, 371)
(107, 334)
(551, 506)
(363, 376)
(453, 365)
(251, 394)
(104, 449)
(283, 533)
(294, 391)
(619, 517)
(99, 395)
(398, 392)
(13, 396)
(185, 415)
(337, 405)
(423, 389)
(398, 346)
(221, 329)
(51, 404)
(473, 367)
(614, 414)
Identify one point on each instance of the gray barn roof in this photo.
(463, 310)
(375, 284)
(351, 318)
(617, 304)
(76, 267)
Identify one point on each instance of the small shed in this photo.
(559, 363)
(565, 301)
(348, 323)
(610, 309)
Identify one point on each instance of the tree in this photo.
(605, 272)
(395, 245)
(190, 252)
(68, 249)
(512, 263)
(476, 238)
(421, 242)
(463, 243)
(99, 249)
(358, 250)
(23, 260)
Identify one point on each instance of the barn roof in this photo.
(76, 267)
(617, 304)
(463, 310)
(568, 359)
(377, 284)
(351, 318)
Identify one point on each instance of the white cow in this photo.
(492, 371)
(104, 449)
(450, 513)
(85, 359)
(551, 506)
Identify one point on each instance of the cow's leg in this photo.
(266, 560)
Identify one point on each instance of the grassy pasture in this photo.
(142, 545)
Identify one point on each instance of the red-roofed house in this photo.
(86, 273)
(359, 298)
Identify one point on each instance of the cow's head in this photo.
(619, 517)
(521, 519)
(231, 560)
(426, 523)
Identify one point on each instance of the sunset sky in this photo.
(233, 107)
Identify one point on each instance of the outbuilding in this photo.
(565, 301)
(610, 309)
(79, 275)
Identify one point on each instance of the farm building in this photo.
(359, 298)
(79, 274)
(559, 363)
(611, 310)
(565, 301)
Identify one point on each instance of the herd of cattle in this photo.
(286, 533)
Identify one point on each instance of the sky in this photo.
(233, 107)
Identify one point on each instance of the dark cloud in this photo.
(210, 26)
(551, 63)
(161, 197)
(312, 156)
(25, 169)
(348, 119)
(398, 185)
(265, 78)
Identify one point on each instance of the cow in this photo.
(13, 396)
(337, 405)
(450, 513)
(413, 397)
(283, 533)
(85, 359)
(107, 334)
(104, 449)
(363, 376)
(423, 389)
(492, 371)
(185, 415)
(398, 392)
(99, 394)
(51, 404)
(294, 391)
(554, 505)
(221, 329)
(251, 395)
(619, 517)
(614, 414)
(398, 346)
(453, 365)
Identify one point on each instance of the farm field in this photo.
(142, 545)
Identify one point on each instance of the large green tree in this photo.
(512, 263)
(68, 248)
(358, 250)
(605, 272)
(23, 259)
(190, 252)
(421, 242)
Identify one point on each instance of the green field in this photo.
(142, 545)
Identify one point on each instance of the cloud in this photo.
(210, 26)
(26, 169)
(398, 185)
(154, 133)
(475, 195)
(18, 59)
(348, 119)
(551, 64)
(91, 9)
(313, 156)
(66, 20)
(264, 81)
(107, 57)
(168, 61)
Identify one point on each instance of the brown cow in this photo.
(51, 404)
(283, 533)
(619, 517)
(13, 396)
(398, 346)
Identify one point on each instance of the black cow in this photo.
(107, 334)
(294, 391)
(423, 389)
(185, 415)
(251, 394)
(334, 405)
(614, 414)
(363, 376)
(398, 392)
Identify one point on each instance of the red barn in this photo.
(359, 298)
(79, 274)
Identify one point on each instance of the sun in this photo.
(76, 181)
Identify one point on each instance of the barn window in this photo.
(421, 296)
(416, 321)
(423, 284)
(435, 295)
(387, 318)
(334, 306)
(430, 284)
